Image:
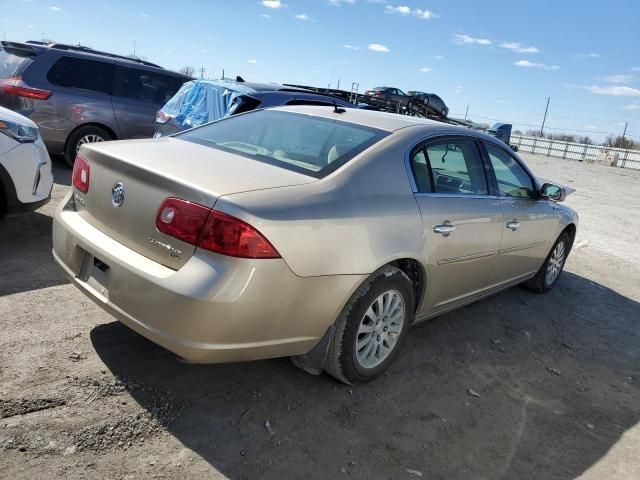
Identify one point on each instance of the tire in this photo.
(83, 135)
(444, 112)
(345, 361)
(410, 108)
(542, 282)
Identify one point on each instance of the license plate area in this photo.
(95, 273)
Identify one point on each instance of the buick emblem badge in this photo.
(117, 194)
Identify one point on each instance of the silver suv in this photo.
(78, 95)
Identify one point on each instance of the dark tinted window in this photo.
(513, 180)
(12, 65)
(146, 86)
(307, 144)
(83, 74)
(310, 102)
(455, 167)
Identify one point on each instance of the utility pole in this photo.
(4, 34)
(466, 113)
(201, 72)
(545, 116)
(338, 87)
(134, 48)
(623, 134)
(223, 74)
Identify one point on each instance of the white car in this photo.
(25, 166)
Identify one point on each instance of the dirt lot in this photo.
(557, 378)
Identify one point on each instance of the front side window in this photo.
(82, 74)
(307, 144)
(146, 86)
(455, 167)
(513, 180)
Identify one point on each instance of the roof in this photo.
(370, 118)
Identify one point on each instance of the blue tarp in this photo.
(201, 101)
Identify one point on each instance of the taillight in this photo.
(181, 219)
(162, 117)
(16, 86)
(81, 173)
(212, 230)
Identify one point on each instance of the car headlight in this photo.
(19, 131)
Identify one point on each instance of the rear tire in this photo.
(552, 268)
(80, 136)
(372, 327)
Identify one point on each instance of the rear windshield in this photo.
(12, 65)
(303, 143)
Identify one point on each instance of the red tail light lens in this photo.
(181, 219)
(81, 174)
(16, 86)
(211, 230)
(230, 236)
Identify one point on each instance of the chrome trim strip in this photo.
(522, 247)
(455, 195)
(473, 256)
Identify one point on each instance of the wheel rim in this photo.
(556, 261)
(92, 138)
(380, 329)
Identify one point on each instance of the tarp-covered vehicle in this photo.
(203, 101)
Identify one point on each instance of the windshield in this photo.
(306, 144)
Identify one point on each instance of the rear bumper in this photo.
(214, 309)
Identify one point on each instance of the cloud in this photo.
(264, 15)
(377, 47)
(338, 3)
(633, 106)
(541, 66)
(425, 69)
(615, 90)
(252, 61)
(302, 16)
(518, 47)
(55, 9)
(467, 40)
(438, 57)
(588, 55)
(635, 69)
(620, 78)
(350, 47)
(274, 4)
(404, 10)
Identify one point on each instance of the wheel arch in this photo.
(103, 126)
(571, 231)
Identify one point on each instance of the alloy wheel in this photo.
(91, 138)
(556, 262)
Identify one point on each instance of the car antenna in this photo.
(337, 109)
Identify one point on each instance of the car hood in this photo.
(12, 116)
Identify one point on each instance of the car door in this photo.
(462, 223)
(529, 221)
(138, 95)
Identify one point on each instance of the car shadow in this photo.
(515, 386)
(61, 171)
(26, 262)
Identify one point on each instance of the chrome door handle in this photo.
(513, 225)
(445, 229)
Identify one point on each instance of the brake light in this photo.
(231, 236)
(212, 230)
(162, 117)
(81, 175)
(16, 86)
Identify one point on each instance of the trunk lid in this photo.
(152, 170)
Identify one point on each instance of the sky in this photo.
(502, 59)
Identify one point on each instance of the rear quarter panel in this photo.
(355, 220)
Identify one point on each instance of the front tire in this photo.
(550, 271)
(372, 327)
(81, 136)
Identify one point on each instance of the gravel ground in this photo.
(516, 386)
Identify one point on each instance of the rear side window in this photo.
(455, 167)
(12, 65)
(307, 144)
(146, 86)
(83, 74)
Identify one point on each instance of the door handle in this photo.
(513, 225)
(445, 229)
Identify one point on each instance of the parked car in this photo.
(389, 97)
(77, 95)
(311, 232)
(25, 166)
(432, 102)
(202, 101)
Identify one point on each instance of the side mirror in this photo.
(553, 192)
